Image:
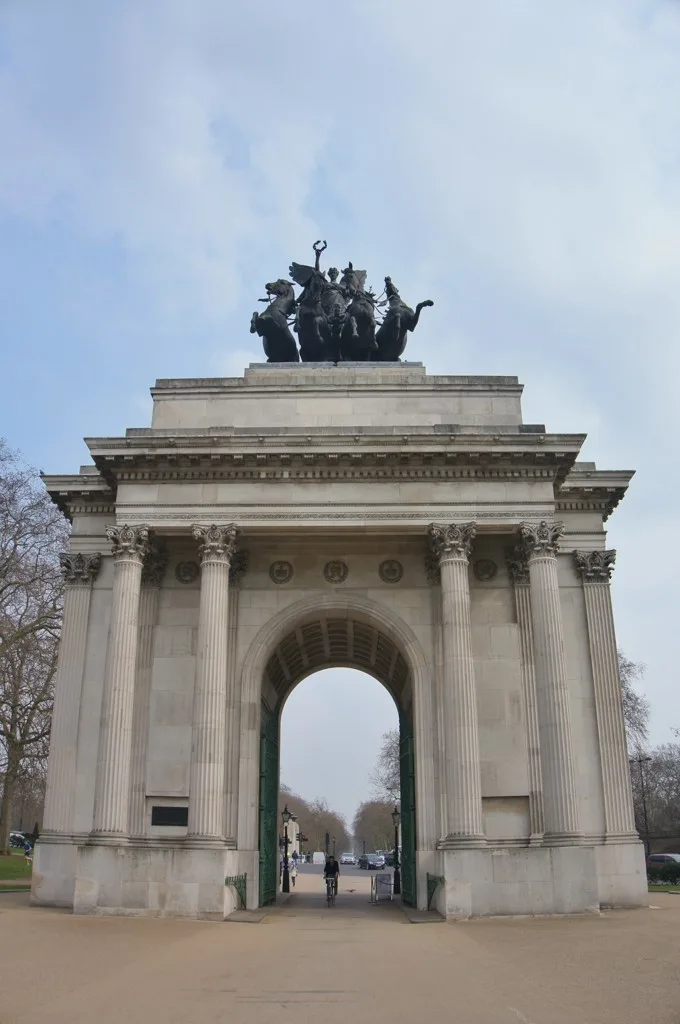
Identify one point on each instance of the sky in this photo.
(517, 163)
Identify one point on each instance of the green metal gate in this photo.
(269, 792)
(408, 808)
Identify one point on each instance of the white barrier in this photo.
(381, 887)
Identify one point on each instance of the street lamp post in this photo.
(396, 819)
(639, 761)
(364, 842)
(334, 846)
(285, 817)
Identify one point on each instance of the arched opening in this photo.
(320, 641)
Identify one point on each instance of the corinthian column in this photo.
(207, 779)
(153, 571)
(79, 571)
(237, 570)
(451, 546)
(552, 693)
(130, 545)
(595, 568)
(518, 570)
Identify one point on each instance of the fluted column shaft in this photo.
(207, 803)
(595, 568)
(464, 825)
(79, 571)
(130, 545)
(552, 693)
(526, 640)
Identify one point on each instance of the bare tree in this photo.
(315, 819)
(32, 532)
(385, 777)
(373, 825)
(635, 706)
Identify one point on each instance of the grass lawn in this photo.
(13, 867)
(664, 888)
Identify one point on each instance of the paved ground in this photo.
(352, 964)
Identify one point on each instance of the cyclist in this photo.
(332, 870)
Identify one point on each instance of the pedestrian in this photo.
(293, 873)
(27, 851)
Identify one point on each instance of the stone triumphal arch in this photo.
(361, 515)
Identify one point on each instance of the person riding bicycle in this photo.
(332, 870)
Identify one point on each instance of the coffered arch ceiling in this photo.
(328, 641)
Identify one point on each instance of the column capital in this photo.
(218, 542)
(595, 566)
(155, 564)
(541, 539)
(129, 543)
(78, 569)
(452, 541)
(238, 566)
(517, 561)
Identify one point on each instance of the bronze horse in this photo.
(398, 320)
(272, 325)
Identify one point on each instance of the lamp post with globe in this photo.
(396, 819)
(285, 817)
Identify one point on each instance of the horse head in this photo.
(281, 287)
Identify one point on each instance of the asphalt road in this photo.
(346, 870)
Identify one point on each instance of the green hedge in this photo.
(668, 873)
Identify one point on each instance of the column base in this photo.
(563, 839)
(208, 843)
(107, 839)
(458, 842)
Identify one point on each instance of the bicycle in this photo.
(330, 891)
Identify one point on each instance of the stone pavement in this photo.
(353, 963)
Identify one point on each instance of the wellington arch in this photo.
(366, 515)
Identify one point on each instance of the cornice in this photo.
(587, 489)
(341, 456)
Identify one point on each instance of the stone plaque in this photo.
(390, 571)
(187, 572)
(484, 569)
(281, 572)
(335, 572)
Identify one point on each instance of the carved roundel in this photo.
(281, 572)
(390, 571)
(335, 572)
(187, 572)
(484, 569)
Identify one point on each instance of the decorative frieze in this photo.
(390, 571)
(336, 571)
(79, 569)
(541, 539)
(217, 542)
(485, 569)
(280, 572)
(187, 572)
(595, 566)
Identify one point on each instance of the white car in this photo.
(348, 858)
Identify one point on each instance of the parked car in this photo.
(16, 839)
(348, 858)
(659, 859)
(375, 861)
